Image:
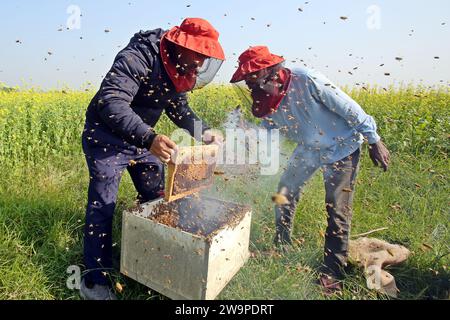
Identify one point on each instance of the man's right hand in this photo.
(163, 148)
(380, 155)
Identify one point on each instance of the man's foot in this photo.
(330, 285)
(96, 292)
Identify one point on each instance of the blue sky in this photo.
(315, 35)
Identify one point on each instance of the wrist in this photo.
(150, 140)
(375, 144)
(372, 138)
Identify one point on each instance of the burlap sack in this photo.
(373, 255)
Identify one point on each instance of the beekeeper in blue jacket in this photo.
(329, 128)
(150, 76)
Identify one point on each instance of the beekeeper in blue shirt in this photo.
(329, 128)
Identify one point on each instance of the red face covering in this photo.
(182, 83)
(264, 103)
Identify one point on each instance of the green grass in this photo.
(43, 192)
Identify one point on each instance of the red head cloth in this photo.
(255, 59)
(197, 35)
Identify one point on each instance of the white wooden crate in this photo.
(178, 264)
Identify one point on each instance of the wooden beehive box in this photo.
(189, 247)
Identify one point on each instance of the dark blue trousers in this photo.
(107, 157)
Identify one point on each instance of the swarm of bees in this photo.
(192, 214)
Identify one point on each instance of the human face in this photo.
(264, 80)
(188, 61)
(252, 80)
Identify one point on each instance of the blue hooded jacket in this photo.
(133, 96)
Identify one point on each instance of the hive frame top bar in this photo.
(190, 158)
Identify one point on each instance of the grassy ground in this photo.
(43, 191)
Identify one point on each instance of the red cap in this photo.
(197, 35)
(255, 59)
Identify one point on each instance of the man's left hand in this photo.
(380, 155)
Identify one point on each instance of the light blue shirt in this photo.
(327, 124)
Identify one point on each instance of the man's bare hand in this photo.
(163, 148)
(380, 155)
